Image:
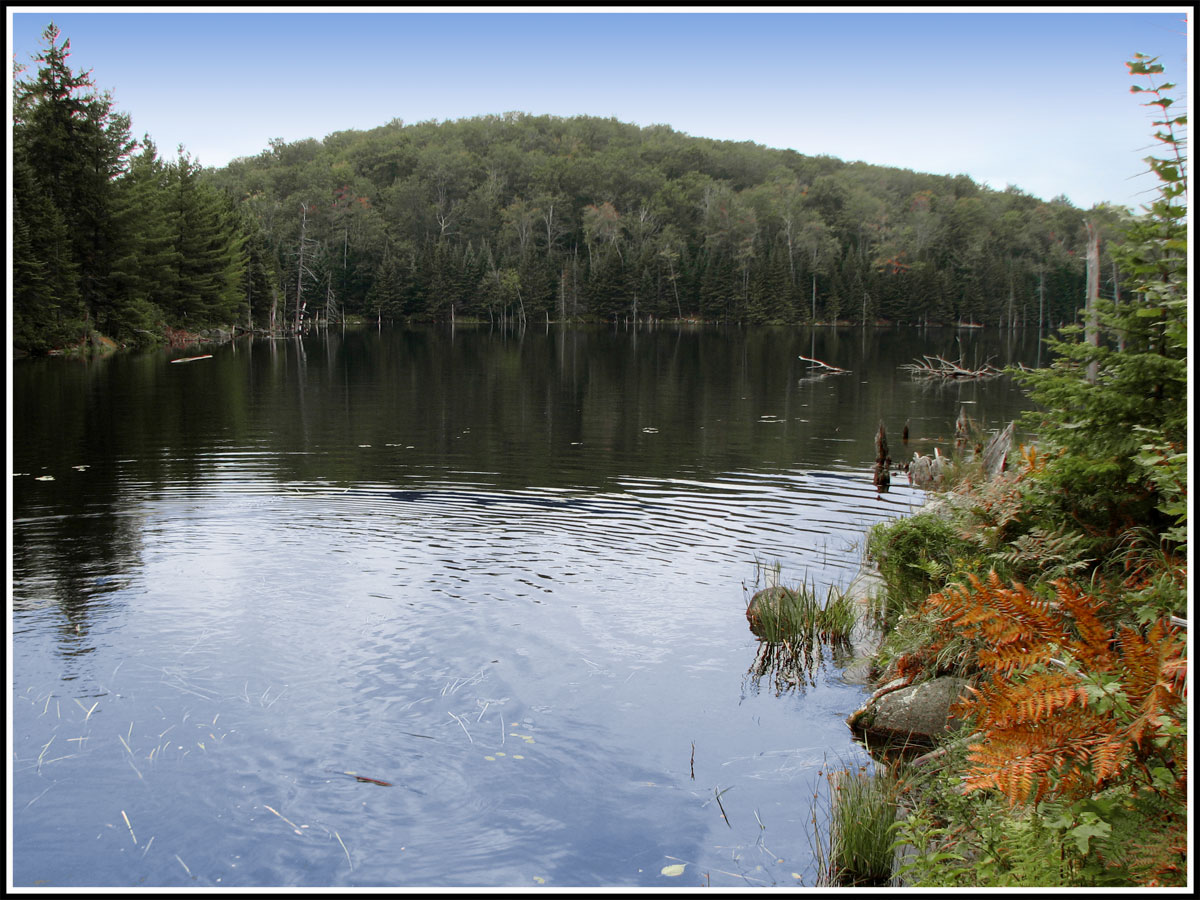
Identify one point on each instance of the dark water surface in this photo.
(506, 574)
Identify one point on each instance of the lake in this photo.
(506, 574)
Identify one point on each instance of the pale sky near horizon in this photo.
(1039, 100)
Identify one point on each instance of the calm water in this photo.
(506, 574)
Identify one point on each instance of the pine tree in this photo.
(143, 265)
(72, 146)
(48, 310)
(207, 256)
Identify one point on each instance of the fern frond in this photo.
(1042, 729)
(1107, 759)
(1095, 637)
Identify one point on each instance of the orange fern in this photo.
(1068, 704)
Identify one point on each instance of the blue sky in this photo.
(1038, 100)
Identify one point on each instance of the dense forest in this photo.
(505, 218)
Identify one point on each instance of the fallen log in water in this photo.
(192, 358)
(940, 367)
(362, 778)
(826, 368)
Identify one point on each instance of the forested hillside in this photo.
(516, 217)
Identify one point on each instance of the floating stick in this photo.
(460, 722)
(87, 711)
(358, 777)
(43, 753)
(344, 850)
(37, 798)
(295, 827)
(717, 794)
(826, 367)
(130, 827)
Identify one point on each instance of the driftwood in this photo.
(995, 454)
(826, 368)
(927, 471)
(939, 367)
(962, 428)
(192, 358)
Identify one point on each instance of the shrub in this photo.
(915, 556)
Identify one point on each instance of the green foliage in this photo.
(601, 220)
(606, 220)
(48, 310)
(947, 839)
(915, 555)
(204, 250)
(1125, 429)
(1117, 837)
(67, 146)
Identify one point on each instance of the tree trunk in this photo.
(300, 267)
(1092, 325)
(1116, 300)
(562, 294)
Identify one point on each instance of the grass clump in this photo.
(792, 626)
(779, 614)
(861, 849)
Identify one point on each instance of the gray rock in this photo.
(917, 711)
(857, 670)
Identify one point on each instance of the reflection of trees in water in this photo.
(77, 423)
(792, 664)
(74, 563)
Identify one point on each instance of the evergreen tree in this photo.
(207, 253)
(72, 146)
(1117, 404)
(143, 264)
(48, 310)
